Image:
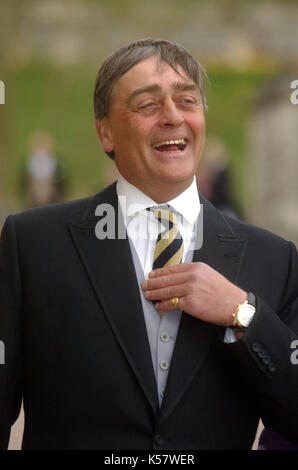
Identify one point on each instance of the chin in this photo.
(183, 180)
(177, 174)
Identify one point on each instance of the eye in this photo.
(188, 100)
(148, 107)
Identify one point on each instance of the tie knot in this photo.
(165, 215)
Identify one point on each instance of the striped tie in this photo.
(169, 244)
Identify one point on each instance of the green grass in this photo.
(59, 100)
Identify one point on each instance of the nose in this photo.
(170, 114)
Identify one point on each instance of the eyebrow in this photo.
(155, 88)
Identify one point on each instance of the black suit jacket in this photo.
(76, 346)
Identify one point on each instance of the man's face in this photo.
(156, 128)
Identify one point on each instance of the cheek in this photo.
(199, 124)
(142, 128)
(198, 127)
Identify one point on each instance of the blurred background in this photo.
(50, 52)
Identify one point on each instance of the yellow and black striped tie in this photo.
(169, 244)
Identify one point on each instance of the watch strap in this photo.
(251, 299)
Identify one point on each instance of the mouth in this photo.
(177, 145)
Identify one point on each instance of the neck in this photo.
(163, 194)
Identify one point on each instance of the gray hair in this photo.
(131, 54)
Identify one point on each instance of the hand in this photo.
(203, 292)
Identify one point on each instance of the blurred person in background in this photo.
(120, 341)
(44, 179)
(213, 176)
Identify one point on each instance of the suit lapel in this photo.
(223, 251)
(110, 268)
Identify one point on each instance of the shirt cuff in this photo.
(230, 336)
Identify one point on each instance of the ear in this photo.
(104, 133)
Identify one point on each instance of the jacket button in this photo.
(158, 440)
(261, 353)
(271, 367)
(256, 347)
(266, 359)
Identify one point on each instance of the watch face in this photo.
(245, 314)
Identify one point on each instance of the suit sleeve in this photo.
(10, 332)
(266, 359)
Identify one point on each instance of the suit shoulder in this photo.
(252, 232)
(63, 212)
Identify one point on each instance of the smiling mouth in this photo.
(170, 145)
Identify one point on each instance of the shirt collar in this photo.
(132, 201)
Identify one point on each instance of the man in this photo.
(110, 354)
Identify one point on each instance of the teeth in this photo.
(170, 142)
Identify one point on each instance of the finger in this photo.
(176, 268)
(165, 293)
(165, 281)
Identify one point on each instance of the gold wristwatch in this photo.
(244, 313)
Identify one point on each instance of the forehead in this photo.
(150, 71)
